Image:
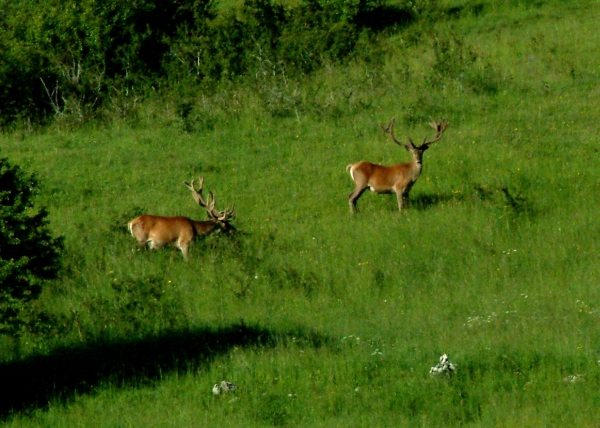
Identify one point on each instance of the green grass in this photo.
(495, 261)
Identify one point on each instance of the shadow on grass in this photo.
(456, 12)
(499, 196)
(383, 17)
(36, 380)
(425, 201)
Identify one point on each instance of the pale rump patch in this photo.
(350, 168)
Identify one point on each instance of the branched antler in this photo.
(222, 216)
(439, 131)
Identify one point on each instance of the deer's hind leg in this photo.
(137, 231)
(353, 198)
(360, 185)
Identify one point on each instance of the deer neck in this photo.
(204, 227)
(417, 166)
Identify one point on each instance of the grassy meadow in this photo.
(319, 317)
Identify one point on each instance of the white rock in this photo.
(223, 387)
(444, 367)
(227, 386)
(573, 378)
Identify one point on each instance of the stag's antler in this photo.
(439, 131)
(222, 216)
(389, 130)
(197, 194)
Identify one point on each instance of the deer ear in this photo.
(407, 147)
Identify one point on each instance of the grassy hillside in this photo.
(322, 318)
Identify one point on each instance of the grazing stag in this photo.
(157, 231)
(398, 178)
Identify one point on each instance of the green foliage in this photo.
(69, 58)
(77, 59)
(29, 254)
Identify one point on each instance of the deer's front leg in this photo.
(400, 197)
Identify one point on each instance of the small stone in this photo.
(573, 378)
(227, 386)
(444, 367)
(223, 387)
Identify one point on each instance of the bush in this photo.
(74, 58)
(64, 57)
(29, 255)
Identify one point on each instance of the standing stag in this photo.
(398, 178)
(157, 231)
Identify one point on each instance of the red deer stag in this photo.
(398, 178)
(157, 231)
